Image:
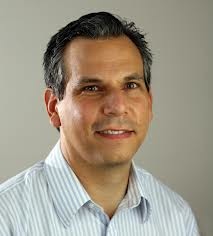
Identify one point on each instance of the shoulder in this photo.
(159, 193)
(22, 180)
(167, 205)
(15, 193)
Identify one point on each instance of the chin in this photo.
(116, 160)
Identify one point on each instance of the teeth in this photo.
(112, 131)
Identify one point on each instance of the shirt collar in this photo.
(137, 192)
(67, 193)
(69, 196)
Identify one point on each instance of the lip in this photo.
(115, 129)
(126, 134)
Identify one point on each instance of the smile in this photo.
(115, 134)
(112, 131)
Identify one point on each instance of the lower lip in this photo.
(116, 136)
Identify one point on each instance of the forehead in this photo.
(96, 56)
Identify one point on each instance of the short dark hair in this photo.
(92, 26)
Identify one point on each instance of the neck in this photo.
(105, 184)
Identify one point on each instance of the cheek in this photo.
(83, 114)
(141, 110)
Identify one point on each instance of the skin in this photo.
(105, 90)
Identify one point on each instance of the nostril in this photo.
(115, 109)
(114, 104)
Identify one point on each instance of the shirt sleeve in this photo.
(191, 223)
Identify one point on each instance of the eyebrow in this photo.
(88, 80)
(134, 76)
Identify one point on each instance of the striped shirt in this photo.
(48, 199)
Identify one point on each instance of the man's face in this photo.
(106, 109)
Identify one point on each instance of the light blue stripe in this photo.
(48, 200)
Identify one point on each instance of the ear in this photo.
(150, 105)
(51, 101)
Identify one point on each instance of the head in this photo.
(98, 46)
(101, 25)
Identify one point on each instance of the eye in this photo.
(91, 88)
(131, 85)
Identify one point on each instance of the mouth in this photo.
(115, 133)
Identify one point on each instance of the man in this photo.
(97, 73)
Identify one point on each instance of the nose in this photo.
(115, 104)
